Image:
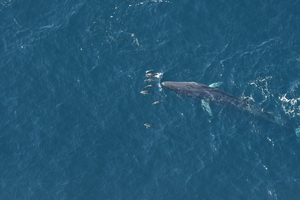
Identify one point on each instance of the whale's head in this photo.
(186, 88)
(174, 86)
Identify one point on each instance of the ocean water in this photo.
(72, 115)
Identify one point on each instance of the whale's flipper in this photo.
(298, 134)
(214, 85)
(206, 107)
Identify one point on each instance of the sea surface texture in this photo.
(72, 116)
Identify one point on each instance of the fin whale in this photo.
(210, 94)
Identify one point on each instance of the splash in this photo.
(290, 105)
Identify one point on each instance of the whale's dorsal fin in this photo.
(206, 107)
(194, 83)
(214, 85)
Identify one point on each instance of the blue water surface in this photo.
(72, 115)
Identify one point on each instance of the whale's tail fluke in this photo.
(297, 131)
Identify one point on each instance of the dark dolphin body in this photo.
(210, 94)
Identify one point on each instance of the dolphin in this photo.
(210, 94)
